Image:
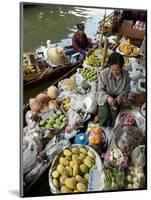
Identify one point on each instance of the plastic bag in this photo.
(115, 158)
(78, 79)
(138, 71)
(138, 156)
(112, 179)
(29, 157)
(126, 139)
(35, 171)
(74, 120)
(140, 120)
(64, 94)
(31, 116)
(86, 103)
(125, 119)
(55, 149)
(67, 85)
(95, 134)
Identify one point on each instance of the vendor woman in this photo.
(80, 42)
(113, 89)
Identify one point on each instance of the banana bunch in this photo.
(28, 69)
(89, 74)
(128, 49)
(93, 60)
(25, 59)
(66, 103)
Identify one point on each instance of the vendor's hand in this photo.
(119, 100)
(111, 101)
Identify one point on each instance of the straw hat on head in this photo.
(57, 56)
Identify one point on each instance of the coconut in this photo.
(52, 92)
(44, 98)
(44, 108)
(35, 104)
(53, 104)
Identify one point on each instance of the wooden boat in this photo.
(50, 72)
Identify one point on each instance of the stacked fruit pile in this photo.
(89, 74)
(128, 49)
(71, 174)
(93, 60)
(66, 103)
(28, 69)
(135, 178)
(55, 121)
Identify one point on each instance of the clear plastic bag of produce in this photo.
(140, 120)
(64, 94)
(67, 85)
(125, 119)
(33, 135)
(74, 121)
(96, 134)
(138, 156)
(31, 116)
(54, 149)
(134, 178)
(126, 139)
(112, 179)
(78, 78)
(115, 158)
(35, 171)
(85, 103)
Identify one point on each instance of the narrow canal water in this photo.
(56, 23)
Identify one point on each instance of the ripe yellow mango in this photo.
(55, 174)
(55, 183)
(83, 150)
(88, 163)
(71, 183)
(81, 187)
(75, 170)
(91, 154)
(67, 152)
(65, 189)
(84, 169)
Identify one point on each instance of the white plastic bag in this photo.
(29, 157)
(138, 156)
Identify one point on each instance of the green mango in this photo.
(42, 123)
(58, 112)
(56, 126)
(55, 116)
(58, 122)
(64, 119)
(61, 117)
(63, 124)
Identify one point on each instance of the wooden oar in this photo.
(43, 73)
